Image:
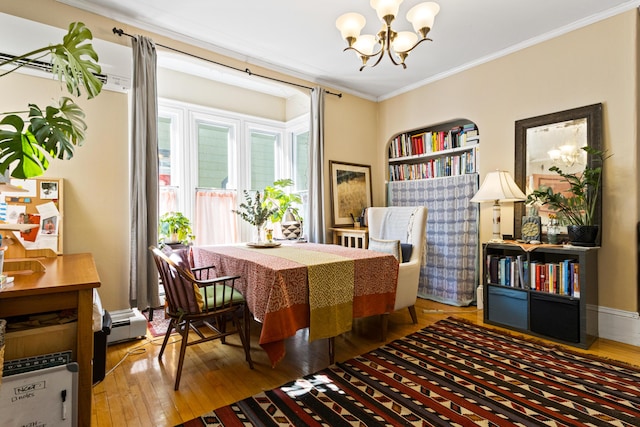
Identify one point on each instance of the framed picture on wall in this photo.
(350, 192)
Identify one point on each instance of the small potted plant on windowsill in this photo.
(175, 228)
(577, 211)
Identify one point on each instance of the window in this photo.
(208, 157)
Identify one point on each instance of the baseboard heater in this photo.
(128, 324)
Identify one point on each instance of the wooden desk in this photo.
(67, 283)
(351, 237)
(279, 283)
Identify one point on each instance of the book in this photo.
(521, 274)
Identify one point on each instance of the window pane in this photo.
(213, 156)
(263, 169)
(301, 161)
(164, 150)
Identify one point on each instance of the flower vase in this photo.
(259, 234)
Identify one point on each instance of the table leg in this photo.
(332, 350)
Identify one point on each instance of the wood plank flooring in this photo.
(139, 389)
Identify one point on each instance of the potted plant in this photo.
(29, 139)
(286, 214)
(578, 210)
(255, 212)
(174, 227)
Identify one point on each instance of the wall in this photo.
(96, 197)
(589, 65)
(196, 90)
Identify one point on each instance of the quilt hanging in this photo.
(449, 273)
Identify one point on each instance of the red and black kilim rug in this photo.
(450, 373)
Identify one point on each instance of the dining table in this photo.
(296, 285)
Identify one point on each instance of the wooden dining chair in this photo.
(195, 300)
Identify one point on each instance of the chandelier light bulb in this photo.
(422, 16)
(350, 25)
(386, 8)
(365, 44)
(404, 41)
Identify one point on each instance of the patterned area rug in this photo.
(158, 326)
(450, 373)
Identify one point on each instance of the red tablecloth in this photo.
(277, 288)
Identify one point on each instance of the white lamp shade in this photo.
(365, 44)
(498, 186)
(350, 25)
(386, 7)
(404, 41)
(422, 15)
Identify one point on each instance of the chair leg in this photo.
(384, 320)
(183, 349)
(172, 323)
(412, 312)
(242, 326)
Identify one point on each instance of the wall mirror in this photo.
(554, 139)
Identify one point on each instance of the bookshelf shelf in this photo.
(552, 300)
(447, 149)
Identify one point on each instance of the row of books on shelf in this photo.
(562, 278)
(406, 145)
(435, 168)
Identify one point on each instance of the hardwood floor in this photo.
(139, 389)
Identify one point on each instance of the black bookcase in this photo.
(559, 313)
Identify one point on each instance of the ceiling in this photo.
(299, 37)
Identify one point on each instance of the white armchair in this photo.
(408, 225)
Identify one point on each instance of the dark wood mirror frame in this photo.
(593, 115)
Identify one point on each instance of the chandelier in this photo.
(567, 154)
(397, 45)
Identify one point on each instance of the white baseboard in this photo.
(617, 325)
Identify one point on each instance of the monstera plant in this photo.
(29, 139)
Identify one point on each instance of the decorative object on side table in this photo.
(498, 186)
(255, 213)
(553, 229)
(577, 211)
(531, 225)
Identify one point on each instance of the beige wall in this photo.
(96, 201)
(587, 66)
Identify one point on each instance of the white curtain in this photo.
(315, 225)
(168, 201)
(143, 276)
(215, 223)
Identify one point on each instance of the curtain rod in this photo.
(121, 33)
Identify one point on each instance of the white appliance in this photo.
(127, 324)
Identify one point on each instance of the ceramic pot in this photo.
(583, 235)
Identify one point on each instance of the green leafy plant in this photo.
(27, 145)
(579, 208)
(174, 225)
(254, 211)
(276, 196)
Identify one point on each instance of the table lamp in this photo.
(498, 186)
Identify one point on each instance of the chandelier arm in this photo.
(393, 59)
(361, 53)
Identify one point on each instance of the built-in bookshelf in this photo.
(446, 150)
(543, 290)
